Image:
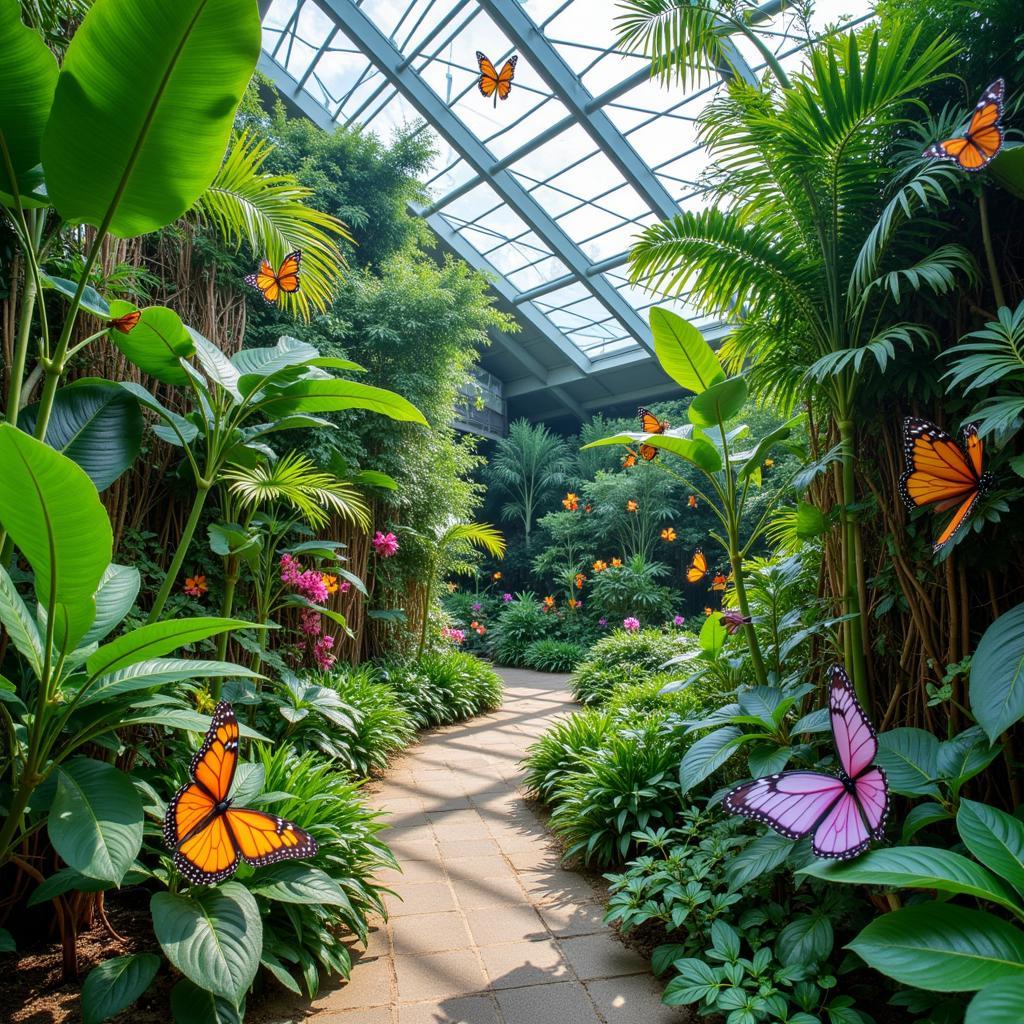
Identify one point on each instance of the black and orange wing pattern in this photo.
(698, 567)
(975, 149)
(126, 324)
(493, 82)
(650, 424)
(209, 836)
(271, 283)
(942, 473)
(630, 460)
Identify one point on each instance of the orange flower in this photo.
(573, 602)
(496, 577)
(549, 602)
(632, 506)
(570, 502)
(480, 630)
(616, 562)
(579, 580)
(768, 463)
(691, 502)
(718, 583)
(195, 586)
(600, 566)
(708, 611)
(474, 625)
(330, 583)
(668, 534)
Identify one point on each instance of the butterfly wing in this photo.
(264, 839)
(649, 423)
(648, 452)
(984, 136)
(126, 324)
(266, 281)
(209, 855)
(792, 803)
(854, 736)
(214, 763)
(288, 272)
(698, 567)
(630, 460)
(505, 77)
(872, 791)
(488, 76)
(842, 833)
(960, 517)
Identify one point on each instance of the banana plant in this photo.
(728, 459)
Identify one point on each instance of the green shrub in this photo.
(519, 624)
(443, 686)
(623, 658)
(562, 748)
(303, 936)
(381, 724)
(629, 783)
(632, 589)
(554, 655)
(647, 697)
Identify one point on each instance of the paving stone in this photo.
(489, 892)
(601, 956)
(492, 926)
(633, 999)
(565, 919)
(462, 848)
(371, 1015)
(463, 1010)
(566, 1003)
(369, 985)
(419, 898)
(438, 975)
(517, 964)
(429, 933)
(412, 871)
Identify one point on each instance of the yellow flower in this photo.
(632, 506)
(330, 582)
(205, 703)
(549, 602)
(452, 586)
(571, 502)
(616, 562)
(573, 602)
(708, 611)
(768, 463)
(668, 534)
(600, 566)
(496, 577)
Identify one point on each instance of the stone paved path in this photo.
(486, 927)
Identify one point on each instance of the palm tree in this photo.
(527, 466)
(452, 544)
(796, 245)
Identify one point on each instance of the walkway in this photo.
(488, 929)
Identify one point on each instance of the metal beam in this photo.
(547, 62)
(293, 93)
(378, 48)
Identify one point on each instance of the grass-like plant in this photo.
(550, 655)
(560, 751)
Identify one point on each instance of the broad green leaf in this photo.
(96, 424)
(135, 140)
(921, 816)
(65, 880)
(20, 625)
(115, 984)
(764, 854)
(28, 77)
(707, 755)
(118, 589)
(698, 451)
(250, 778)
(942, 947)
(810, 521)
(965, 755)
(156, 344)
(995, 838)
(183, 431)
(95, 821)
(216, 364)
(1008, 169)
(756, 458)
(997, 674)
(805, 939)
(157, 639)
(910, 759)
(719, 403)
(191, 1004)
(53, 514)
(374, 478)
(145, 675)
(1000, 1002)
(916, 867)
(213, 936)
(683, 353)
(336, 395)
(298, 883)
(184, 718)
(712, 635)
(91, 300)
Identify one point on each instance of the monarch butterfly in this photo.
(983, 139)
(698, 567)
(718, 583)
(207, 834)
(496, 83)
(271, 283)
(650, 424)
(942, 473)
(125, 324)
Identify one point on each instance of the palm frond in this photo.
(296, 481)
(881, 348)
(937, 272)
(473, 535)
(271, 212)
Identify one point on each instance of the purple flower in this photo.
(602, 622)
(385, 544)
(734, 621)
(455, 636)
(506, 598)
(678, 620)
(630, 624)
(478, 607)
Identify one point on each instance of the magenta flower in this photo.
(290, 569)
(734, 621)
(602, 622)
(477, 607)
(455, 636)
(385, 544)
(322, 652)
(630, 624)
(344, 586)
(678, 620)
(506, 598)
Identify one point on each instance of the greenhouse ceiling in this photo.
(543, 191)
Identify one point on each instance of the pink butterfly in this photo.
(845, 812)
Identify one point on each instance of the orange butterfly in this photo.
(718, 583)
(125, 324)
(942, 473)
(207, 834)
(650, 424)
(698, 567)
(496, 83)
(983, 139)
(630, 460)
(271, 283)
(691, 502)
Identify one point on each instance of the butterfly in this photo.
(496, 83)
(698, 567)
(845, 811)
(126, 324)
(983, 139)
(691, 502)
(943, 473)
(650, 424)
(719, 582)
(630, 460)
(207, 834)
(271, 283)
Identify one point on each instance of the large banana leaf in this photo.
(144, 107)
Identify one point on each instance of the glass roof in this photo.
(547, 189)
